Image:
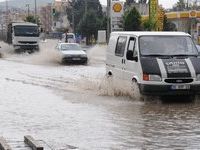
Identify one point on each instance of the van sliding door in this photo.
(119, 55)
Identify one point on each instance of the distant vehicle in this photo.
(70, 38)
(72, 53)
(24, 36)
(55, 35)
(160, 63)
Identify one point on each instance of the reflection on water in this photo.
(157, 125)
(123, 122)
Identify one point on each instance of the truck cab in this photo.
(23, 36)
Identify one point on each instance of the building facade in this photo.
(46, 18)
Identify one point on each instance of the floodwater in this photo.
(76, 105)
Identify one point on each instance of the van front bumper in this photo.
(161, 90)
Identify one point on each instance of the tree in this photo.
(180, 6)
(128, 3)
(142, 1)
(186, 5)
(132, 20)
(89, 25)
(148, 25)
(32, 19)
(103, 25)
(78, 8)
(168, 26)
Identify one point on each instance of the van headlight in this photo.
(151, 77)
(198, 77)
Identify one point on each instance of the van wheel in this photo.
(136, 91)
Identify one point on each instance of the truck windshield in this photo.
(167, 46)
(26, 31)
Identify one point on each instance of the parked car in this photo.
(72, 53)
(160, 63)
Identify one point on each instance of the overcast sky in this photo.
(164, 3)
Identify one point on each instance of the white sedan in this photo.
(72, 53)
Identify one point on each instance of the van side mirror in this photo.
(129, 56)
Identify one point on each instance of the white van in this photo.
(161, 63)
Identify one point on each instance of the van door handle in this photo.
(123, 61)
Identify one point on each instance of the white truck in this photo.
(24, 36)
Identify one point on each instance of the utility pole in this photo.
(7, 12)
(73, 15)
(108, 20)
(187, 5)
(36, 11)
(28, 6)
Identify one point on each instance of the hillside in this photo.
(22, 3)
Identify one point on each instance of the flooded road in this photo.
(71, 105)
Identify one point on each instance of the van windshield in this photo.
(167, 45)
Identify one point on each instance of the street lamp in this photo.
(73, 15)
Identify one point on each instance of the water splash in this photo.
(108, 86)
(46, 56)
(6, 50)
(97, 55)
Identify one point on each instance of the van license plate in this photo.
(180, 87)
